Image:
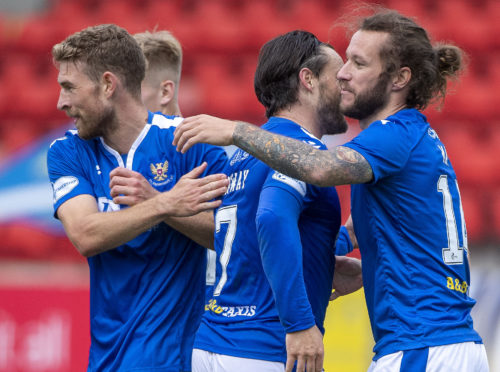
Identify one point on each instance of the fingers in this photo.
(211, 190)
(196, 172)
(118, 181)
(208, 205)
(301, 365)
(334, 295)
(185, 135)
(215, 189)
(319, 361)
(311, 364)
(290, 361)
(117, 190)
(120, 171)
(125, 200)
(183, 127)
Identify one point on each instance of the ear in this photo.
(307, 79)
(401, 79)
(167, 88)
(109, 83)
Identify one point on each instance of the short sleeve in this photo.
(386, 146)
(66, 173)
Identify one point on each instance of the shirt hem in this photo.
(240, 353)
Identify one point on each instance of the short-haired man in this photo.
(147, 280)
(160, 87)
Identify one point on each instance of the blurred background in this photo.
(44, 304)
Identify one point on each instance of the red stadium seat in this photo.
(471, 99)
(164, 14)
(463, 23)
(410, 8)
(122, 13)
(469, 155)
(262, 21)
(37, 35)
(218, 28)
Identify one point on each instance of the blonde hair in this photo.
(162, 51)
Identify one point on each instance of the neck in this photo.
(130, 121)
(305, 118)
(171, 109)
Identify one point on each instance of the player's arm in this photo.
(347, 275)
(279, 237)
(296, 159)
(346, 239)
(130, 188)
(93, 232)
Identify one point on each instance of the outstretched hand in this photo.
(347, 277)
(203, 129)
(192, 195)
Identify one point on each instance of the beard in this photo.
(330, 119)
(96, 124)
(368, 102)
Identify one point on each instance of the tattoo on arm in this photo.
(339, 166)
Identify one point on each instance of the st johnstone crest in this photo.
(159, 170)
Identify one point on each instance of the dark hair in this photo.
(409, 46)
(105, 48)
(280, 60)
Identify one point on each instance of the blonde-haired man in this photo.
(160, 87)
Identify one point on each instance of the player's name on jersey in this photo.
(237, 181)
(230, 311)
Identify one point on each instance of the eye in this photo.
(357, 63)
(67, 87)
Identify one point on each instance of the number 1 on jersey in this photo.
(225, 215)
(454, 254)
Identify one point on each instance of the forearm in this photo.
(300, 160)
(99, 232)
(199, 228)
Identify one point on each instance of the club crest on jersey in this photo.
(159, 170)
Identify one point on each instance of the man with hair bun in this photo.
(406, 206)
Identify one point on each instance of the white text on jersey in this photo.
(237, 181)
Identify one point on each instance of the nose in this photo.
(62, 102)
(343, 73)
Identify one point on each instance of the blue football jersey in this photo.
(411, 232)
(273, 234)
(146, 296)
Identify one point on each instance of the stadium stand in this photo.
(220, 55)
